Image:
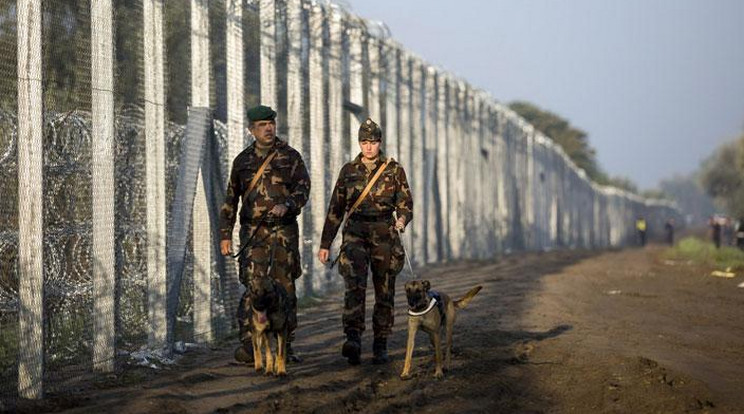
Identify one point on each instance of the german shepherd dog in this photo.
(268, 315)
(431, 311)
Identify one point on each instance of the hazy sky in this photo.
(657, 84)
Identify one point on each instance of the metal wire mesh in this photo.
(484, 181)
(8, 200)
(68, 212)
(130, 195)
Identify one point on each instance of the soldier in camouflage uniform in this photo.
(370, 240)
(268, 217)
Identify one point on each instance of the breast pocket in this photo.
(354, 184)
(385, 188)
(279, 178)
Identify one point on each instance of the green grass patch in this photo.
(705, 253)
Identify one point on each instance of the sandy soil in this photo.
(572, 331)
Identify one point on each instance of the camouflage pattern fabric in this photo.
(273, 252)
(369, 240)
(285, 180)
(390, 193)
(276, 240)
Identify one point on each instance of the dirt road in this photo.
(570, 331)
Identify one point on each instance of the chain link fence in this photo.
(119, 121)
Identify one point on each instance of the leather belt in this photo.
(273, 221)
(371, 218)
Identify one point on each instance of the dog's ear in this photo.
(426, 284)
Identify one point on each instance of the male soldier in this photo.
(271, 180)
(370, 239)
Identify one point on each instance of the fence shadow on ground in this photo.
(488, 341)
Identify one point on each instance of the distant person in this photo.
(669, 228)
(715, 229)
(728, 232)
(641, 230)
(740, 233)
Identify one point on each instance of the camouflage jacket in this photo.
(285, 181)
(390, 193)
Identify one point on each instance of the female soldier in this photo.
(370, 238)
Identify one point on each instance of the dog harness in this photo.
(436, 300)
(432, 303)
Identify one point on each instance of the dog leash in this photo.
(403, 245)
(271, 254)
(258, 226)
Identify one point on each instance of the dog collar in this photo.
(432, 303)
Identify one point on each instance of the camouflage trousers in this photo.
(274, 252)
(373, 246)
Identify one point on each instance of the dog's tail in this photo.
(463, 302)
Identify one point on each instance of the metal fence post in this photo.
(155, 169)
(318, 130)
(202, 229)
(267, 19)
(102, 176)
(30, 201)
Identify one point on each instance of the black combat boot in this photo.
(352, 349)
(379, 349)
(244, 353)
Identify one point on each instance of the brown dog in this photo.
(268, 315)
(431, 311)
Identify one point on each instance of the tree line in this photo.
(722, 177)
(574, 141)
(716, 186)
(66, 63)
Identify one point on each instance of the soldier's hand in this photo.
(225, 247)
(279, 210)
(323, 255)
(400, 224)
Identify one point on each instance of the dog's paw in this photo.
(405, 377)
(438, 374)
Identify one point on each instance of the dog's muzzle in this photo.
(432, 304)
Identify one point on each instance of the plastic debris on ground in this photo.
(153, 358)
(727, 273)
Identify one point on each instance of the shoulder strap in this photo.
(259, 173)
(361, 197)
(368, 187)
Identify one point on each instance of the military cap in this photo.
(370, 131)
(261, 113)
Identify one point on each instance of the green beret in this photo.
(261, 113)
(370, 131)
